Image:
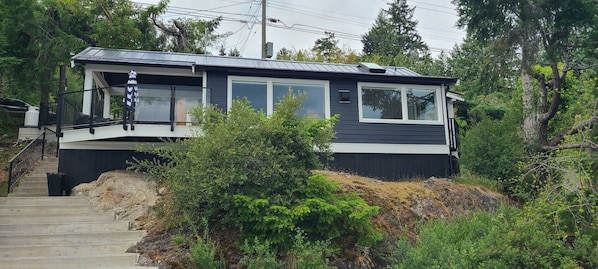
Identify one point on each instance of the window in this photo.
(154, 102)
(398, 104)
(264, 93)
(255, 92)
(381, 103)
(422, 104)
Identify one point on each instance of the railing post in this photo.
(43, 143)
(91, 110)
(59, 115)
(172, 100)
(9, 177)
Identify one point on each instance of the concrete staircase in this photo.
(39, 231)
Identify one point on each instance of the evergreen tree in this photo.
(394, 32)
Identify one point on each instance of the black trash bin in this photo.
(55, 181)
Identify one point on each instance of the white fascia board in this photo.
(116, 131)
(389, 148)
(143, 70)
(455, 96)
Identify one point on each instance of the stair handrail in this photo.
(23, 161)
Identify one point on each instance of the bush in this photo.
(202, 250)
(493, 149)
(510, 238)
(254, 173)
(259, 255)
(322, 214)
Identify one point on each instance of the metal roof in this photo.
(118, 56)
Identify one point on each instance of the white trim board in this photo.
(336, 147)
(389, 148)
(115, 131)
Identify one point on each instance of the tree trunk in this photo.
(531, 122)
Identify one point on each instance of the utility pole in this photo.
(263, 29)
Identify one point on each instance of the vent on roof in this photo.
(371, 67)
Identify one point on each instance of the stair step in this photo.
(66, 239)
(63, 228)
(45, 209)
(70, 262)
(31, 189)
(63, 250)
(60, 218)
(25, 194)
(33, 184)
(47, 200)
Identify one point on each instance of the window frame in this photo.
(404, 103)
(270, 90)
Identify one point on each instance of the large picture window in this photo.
(398, 103)
(264, 93)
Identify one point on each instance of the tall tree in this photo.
(186, 34)
(543, 31)
(327, 47)
(394, 32)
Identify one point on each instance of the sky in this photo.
(301, 22)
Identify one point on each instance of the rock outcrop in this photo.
(130, 196)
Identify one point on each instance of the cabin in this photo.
(394, 123)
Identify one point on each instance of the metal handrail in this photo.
(23, 161)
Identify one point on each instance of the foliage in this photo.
(202, 250)
(482, 69)
(309, 255)
(542, 31)
(492, 149)
(254, 172)
(188, 35)
(304, 254)
(394, 32)
(326, 47)
(509, 239)
(6, 122)
(468, 178)
(259, 255)
(322, 214)
(333, 54)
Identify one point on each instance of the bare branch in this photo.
(573, 130)
(586, 144)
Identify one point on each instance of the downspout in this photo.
(448, 138)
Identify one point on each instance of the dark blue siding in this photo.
(348, 128)
(393, 167)
(217, 83)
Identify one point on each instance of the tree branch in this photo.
(573, 130)
(586, 144)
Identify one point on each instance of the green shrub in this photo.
(259, 255)
(254, 172)
(511, 238)
(309, 255)
(322, 214)
(202, 250)
(493, 149)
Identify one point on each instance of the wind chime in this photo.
(130, 101)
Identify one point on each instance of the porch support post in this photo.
(87, 94)
(106, 105)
